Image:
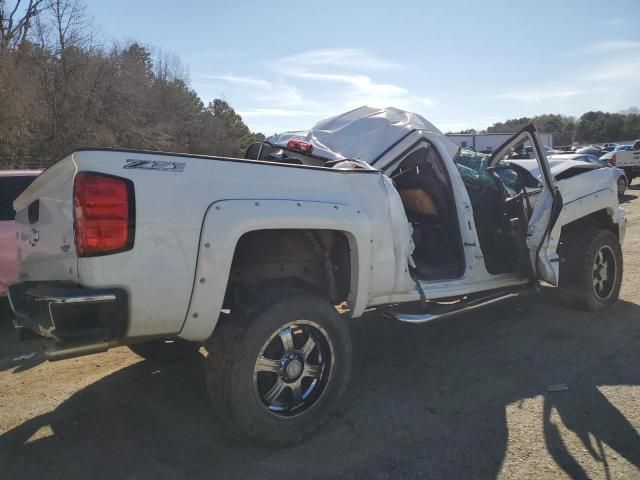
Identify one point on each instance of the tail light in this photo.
(613, 160)
(103, 214)
(301, 145)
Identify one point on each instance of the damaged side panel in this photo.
(583, 195)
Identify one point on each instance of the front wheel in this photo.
(591, 274)
(277, 372)
(629, 174)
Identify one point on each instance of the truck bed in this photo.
(172, 195)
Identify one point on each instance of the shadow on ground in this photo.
(424, 402)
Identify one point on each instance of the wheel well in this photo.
(599, 219)
(317, 260)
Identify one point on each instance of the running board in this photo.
(465, 306)
(55, 353)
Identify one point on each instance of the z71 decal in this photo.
(155, 165)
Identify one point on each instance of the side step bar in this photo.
(56, 352)
(464, 306)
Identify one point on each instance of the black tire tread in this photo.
(226, 347)
(578, 250)
(626, 184)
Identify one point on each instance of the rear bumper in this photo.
(68, 313)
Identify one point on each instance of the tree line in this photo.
(61, 88)
(592, 127)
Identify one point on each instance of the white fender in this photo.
(227, 220)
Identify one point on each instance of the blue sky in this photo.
(285, 65)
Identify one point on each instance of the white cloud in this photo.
(252, 89)
(361, 83)
(346, 66)
(411, 103)
(353, 58)
(238, 80)
(273, 112)
(285, 95)
(609, 46)
(294, 91)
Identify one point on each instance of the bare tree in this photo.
(15, 22)
(66, 26)
(168, 67)
(62, 87)
(70, 20)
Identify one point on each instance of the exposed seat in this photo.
(418, 201)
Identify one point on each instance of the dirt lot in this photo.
(463, 398)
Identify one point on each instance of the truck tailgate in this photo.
(44, 226)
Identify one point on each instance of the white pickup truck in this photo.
(627, 160)
(262, 260)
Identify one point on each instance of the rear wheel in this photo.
(591, 274)
(622, 185)
(277, 372)
(165, 349)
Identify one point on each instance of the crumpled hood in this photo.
(556, 166)
(365, 133)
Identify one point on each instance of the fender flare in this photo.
(226, 221)
(576, 209)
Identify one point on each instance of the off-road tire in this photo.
(577, 271)
(165, 350)
(234, 349)
(622, 185)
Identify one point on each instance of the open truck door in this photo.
(547, 207)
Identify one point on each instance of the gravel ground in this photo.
(462, 398)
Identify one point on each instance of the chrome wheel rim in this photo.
(604, 272)
(293, 368)
(622, 186)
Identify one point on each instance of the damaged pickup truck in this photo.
(250, 258)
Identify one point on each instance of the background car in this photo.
(591, 150)
(624, 148)
(547, 150)
(12, 184)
